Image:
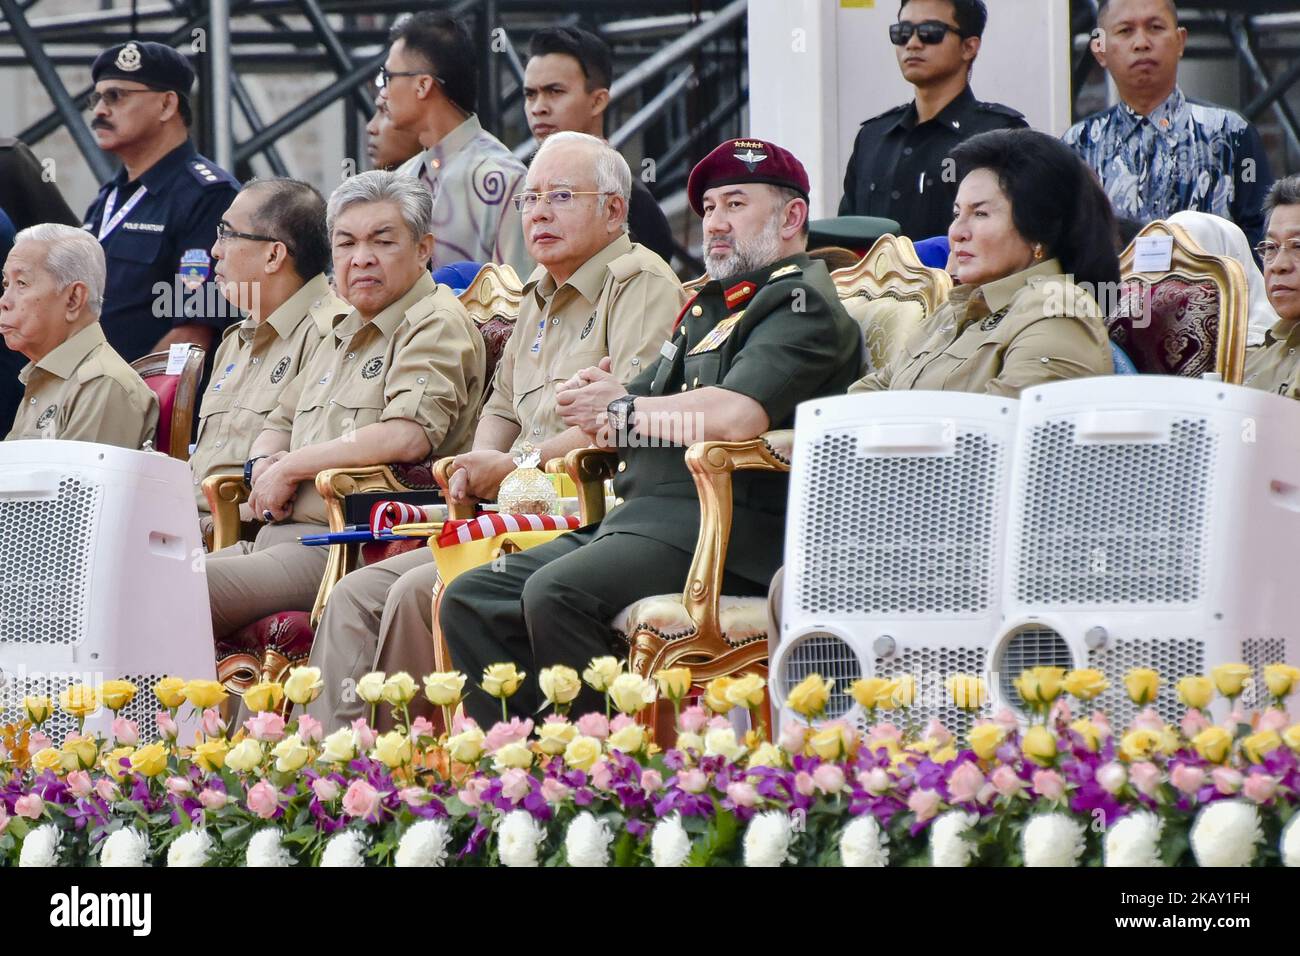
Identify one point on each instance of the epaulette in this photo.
(624, 267)
(785, 272)
(208, 175)
(1000, 109)
(888, 112)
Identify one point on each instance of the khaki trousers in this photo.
(247, 581)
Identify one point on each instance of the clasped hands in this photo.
(274, 488)
(583, 401)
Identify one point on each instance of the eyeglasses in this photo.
(225, 233)
(553, 197)
(930, 31)
(385, 74)
(114, 95)
(1269, 250)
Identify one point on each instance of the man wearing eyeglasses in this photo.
(899, 167)
(271, 256)
(1275, 365)
(157, 217)
(430, 86)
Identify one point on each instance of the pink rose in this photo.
(693, 780)
(1103, 724)
(554, 791)
(361, 800)
(828, 778)
(515, 784)
(167, 728)
(421, 727)
(1006, 719)
(310, 729)
(364, 734)
(1060, 711)
(326, 790)
(717, 722)
(179, 786)
(793, 738)
(1193, 723)
(472, 793)
(964, 783)
(1226, 780)
(265, 726)
(885, 731)
(875, 781)
(1148, 719)
(461, 723)
(413, 796)
(937, 732)
(1111, 777)
(693, 719)
(79, 783)
(213, 799)
(601, 775)
(1006, 782)
(213, 725)
(619, 722)
(1260, 787)
(1146, 777)
(503, 733)
(4, 818)
(105, 788)
(803, 783)
(742, 794)
(1048, 784)
(986, 793)
(38, 741)
(29, 806)
(1273, 719)
(651, 780)
(263, 799)
(593, 725)
(924, 803)
(1187, 779)
(125, 732)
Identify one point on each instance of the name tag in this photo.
(668, 350)
(717, 336)
(1153, 253)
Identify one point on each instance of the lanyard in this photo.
(109, 224)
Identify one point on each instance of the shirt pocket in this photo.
(138, 248)
(976, 355)
(704, 369)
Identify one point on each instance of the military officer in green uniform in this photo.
(764, 334)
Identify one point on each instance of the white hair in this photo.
(72, 255)
(611, 170)
(410, 195)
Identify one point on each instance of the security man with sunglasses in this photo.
(157, 218)
(898, 169)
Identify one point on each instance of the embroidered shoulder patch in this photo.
(990, 322)
(372, 368)
(281, 367)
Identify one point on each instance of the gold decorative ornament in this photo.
(526, 491)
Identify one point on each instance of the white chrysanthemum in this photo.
(767, 839)
(1053, 839)
(344, 849)
(586, 842)
(124, 847)
(1290, 847)
(519, 838)
(265, 849)
(424, 844)
(948, 845)
(863, 843)
(1226, 833)
(191, 848)
(1135, 841)
(40, 847)
(670, 844)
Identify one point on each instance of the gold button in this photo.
(697, 310)
(622, 466)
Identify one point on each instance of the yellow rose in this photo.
(245, 756)
(38, 709)
(1196, 692)
(827, 744)
(1280, 679)
(985, 739)
(715, 695)
(1092, 734)
(501, 680)
(203, 694)
(560, 685)
(674, 682)
(304, 685)
(809, 697)
(1085, 683)
(582, 753)
(968, 692)
(1259, 744)
(340, 746)
(1291, 737)
(686, 740)
(600, 673)
(370, 688)
(747, 691)
(79, 700)
(170, 692)
(398, 689)
(1142, 684)
(1140, 744)
(1230, 679)
(150, 760)
(112, 762)
(554, 735)
(513, 756)
(290, 754)
(629, 739)
(393, 749)
(467, 746)
(1039, 745)
(47, 758)
(266, 696)
(631, 692)
(211, 754)
(902, 691)
(444, 689)
(944, 754)
(867, 691)
(1213, 744)
(766, 755)
(116, 694)
(83, 751)
(1040, 685)
(1168, 741)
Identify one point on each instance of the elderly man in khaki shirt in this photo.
(596, 297)
(1275, 365)
(272, 252)
(76, 387)
(400, 378)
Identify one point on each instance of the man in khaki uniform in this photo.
(76, 387)
(1275, 365)
(272, 252)
(400, 378)
(596, 296)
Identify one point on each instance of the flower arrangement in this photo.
(599, 791)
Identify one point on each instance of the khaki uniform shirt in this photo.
(620, 303)
(1273, 366)
(422, 359)
(1001, 337)
(254, 364)
(84, 391)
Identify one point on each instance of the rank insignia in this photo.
(738, 294)
(750, 153)
(717, 335)
(784, 271)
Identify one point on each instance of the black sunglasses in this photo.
(930, 31)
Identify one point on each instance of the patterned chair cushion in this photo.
(1169, 328)
(284, 637)
(496, 333)
(743, 619)
(886, 323)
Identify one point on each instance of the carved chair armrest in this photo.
(225, 493)
(442, 476)
(589, 469)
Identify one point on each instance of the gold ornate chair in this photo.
(1186, 320)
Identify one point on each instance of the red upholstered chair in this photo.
(176, 396)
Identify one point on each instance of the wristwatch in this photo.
(620, 412)
(248, 470)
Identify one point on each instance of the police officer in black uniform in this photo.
(764, 334)
(157, 218)
(898, 167)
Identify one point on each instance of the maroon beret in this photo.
(745, 161)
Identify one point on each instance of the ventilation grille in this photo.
(1172, 659)
(45, 551)
(828, 656)
(1026, 648)
(931, 667)
(1114, 524)
(899, 535)
(14, 687)
(1258, 653)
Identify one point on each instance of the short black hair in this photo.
(445, 44)
(591, 52)
(293, 212)
(1056, 200)
(1284, 192)
(1103, 4)
(971, 16)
